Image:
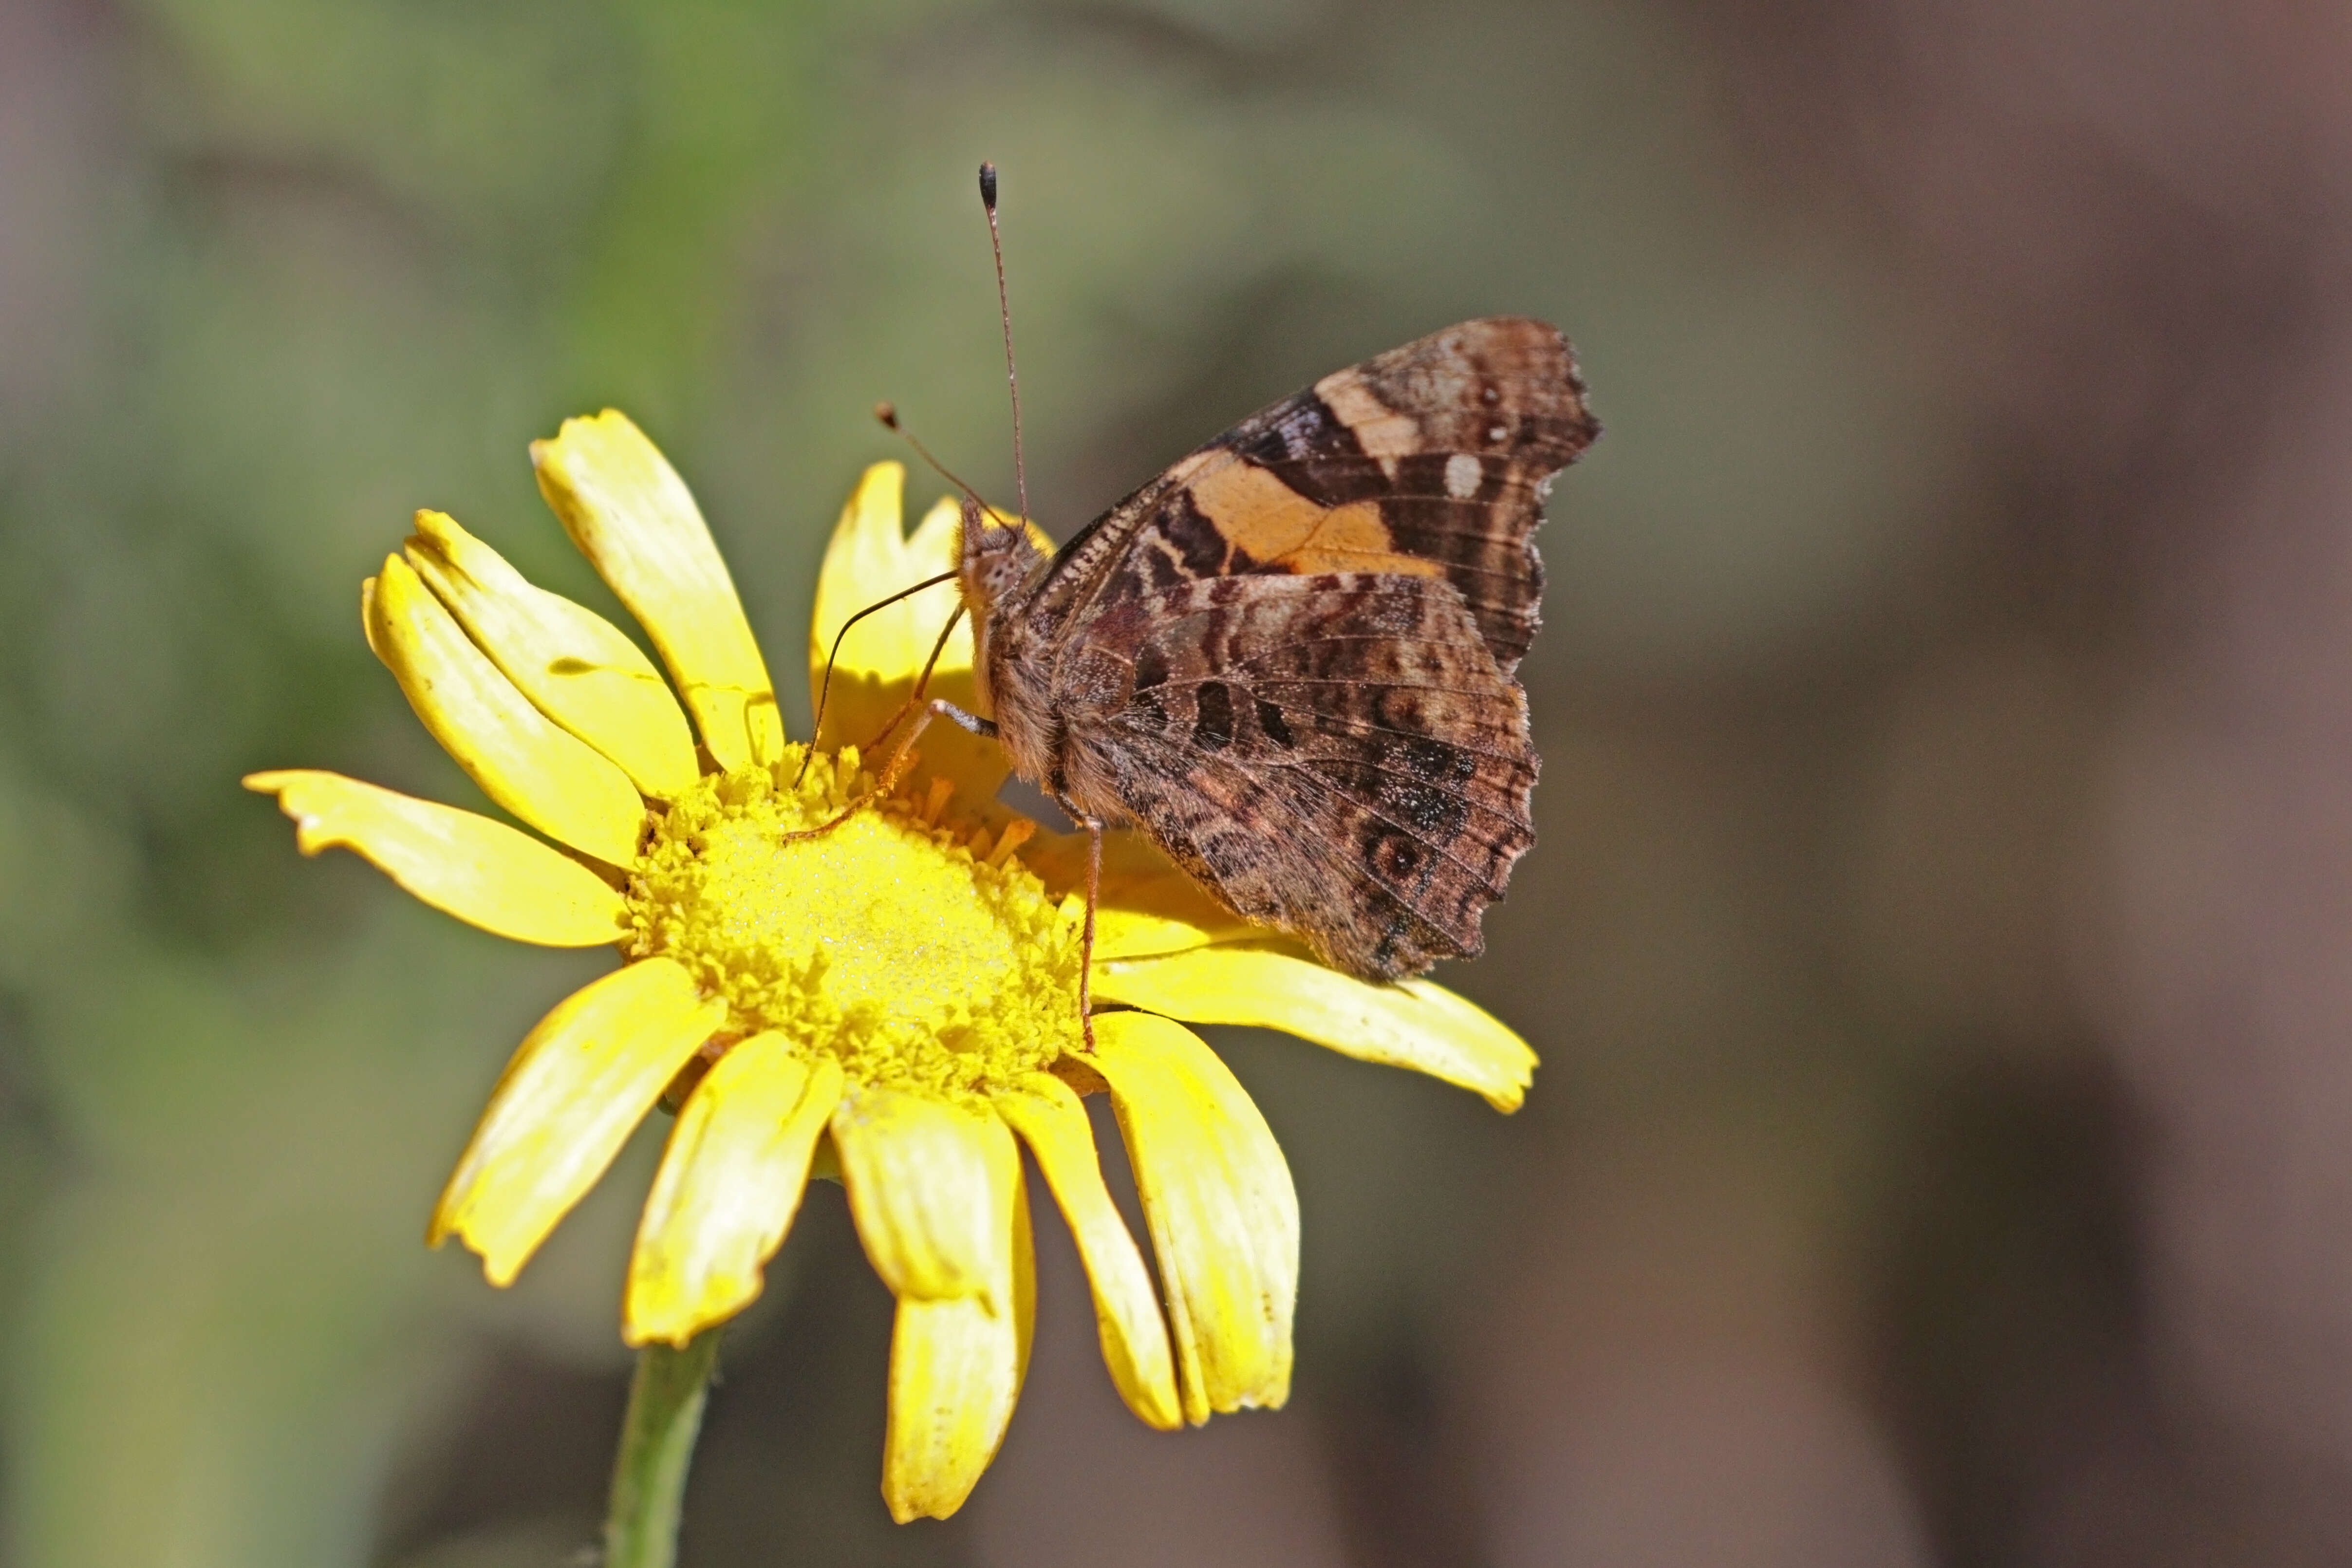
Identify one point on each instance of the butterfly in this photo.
(1291, 660)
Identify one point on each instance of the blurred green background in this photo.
(1936, 943)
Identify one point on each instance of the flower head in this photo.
(902, 988)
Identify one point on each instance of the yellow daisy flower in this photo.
(895, 1000)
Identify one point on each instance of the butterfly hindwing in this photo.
(1336, 754)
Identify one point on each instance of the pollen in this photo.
(908, 944)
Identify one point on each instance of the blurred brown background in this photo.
(1940, 946)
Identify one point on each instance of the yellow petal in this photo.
(1409, 1023)
(730, 1182)
(545, 775)
(575, 666)
(921, 1191)
(367, 615)
(576, 1086)
(631, 515)
(869, 559)
(956, 1366)
(1051, 1119)
(483, 872)
(1147, 905)
(1155, 912)
(1217, 1196)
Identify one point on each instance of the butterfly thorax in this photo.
(998, 570)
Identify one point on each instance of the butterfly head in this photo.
(994, 565)
(993, 561)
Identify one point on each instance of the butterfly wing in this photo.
(1431, 459)
(1336, 755)
(1290, 658)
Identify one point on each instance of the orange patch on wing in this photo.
(1382, 432)
(1275, 525)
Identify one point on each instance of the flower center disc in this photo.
(885, 943)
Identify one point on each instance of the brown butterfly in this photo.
(1290, 659)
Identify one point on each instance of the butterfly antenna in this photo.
(888, 413)
(1005, 313)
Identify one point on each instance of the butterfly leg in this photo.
(915, 697)
(941, 708)
(1094, 826)
(825, 686)
(900, 761)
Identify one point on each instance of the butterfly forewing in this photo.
(1431, 458)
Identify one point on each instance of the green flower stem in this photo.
(665, 1401)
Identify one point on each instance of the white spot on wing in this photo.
(1462, 476)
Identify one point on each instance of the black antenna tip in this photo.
(988, 187)
(886, 413)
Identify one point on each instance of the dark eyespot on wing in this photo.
(1397, 857)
